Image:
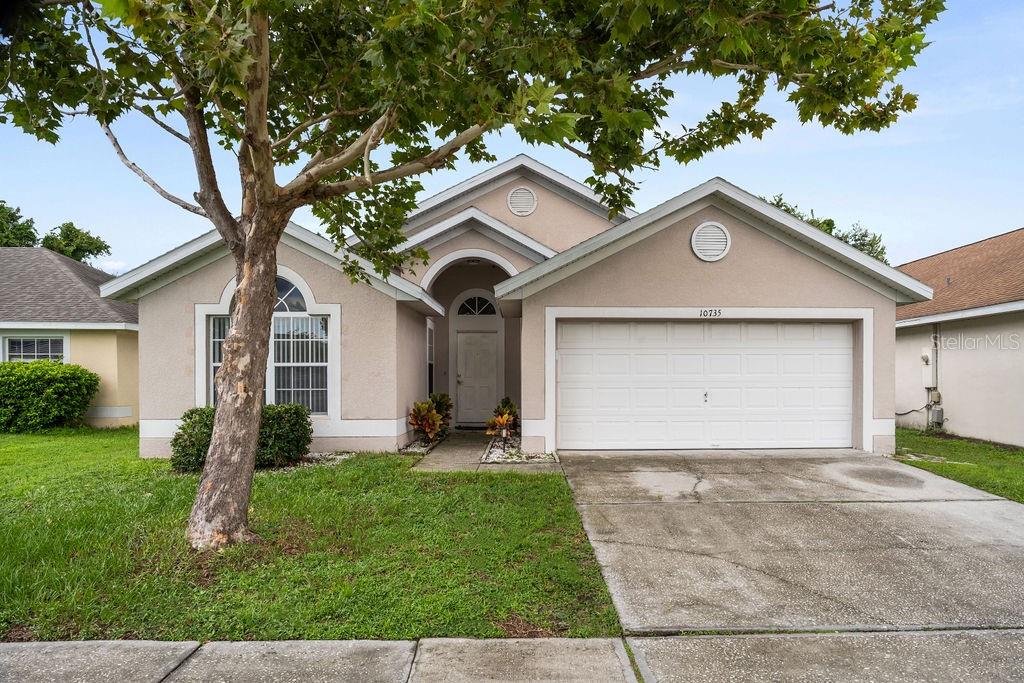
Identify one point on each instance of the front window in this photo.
(297, 363)
(26, 349)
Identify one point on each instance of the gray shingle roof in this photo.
(39, 285)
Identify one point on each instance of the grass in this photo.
(986, 466)
(92, 546)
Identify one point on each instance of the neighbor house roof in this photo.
(981, 278)
(900, 286)
(41, 288)
(210, 247)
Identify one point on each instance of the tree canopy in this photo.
(856, 236)
(66, 238)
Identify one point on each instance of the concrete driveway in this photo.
(806, 540)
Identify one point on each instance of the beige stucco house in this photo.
(960, 356)
(711, 321)
(52, 309)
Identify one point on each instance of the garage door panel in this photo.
(653, 384)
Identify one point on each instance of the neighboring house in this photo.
(711, 321)
(959, 357)
(50, 308)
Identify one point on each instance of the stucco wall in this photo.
(557, 222)
(759, 271)
(910, 392)
(369, 320)
(411, 362)
(113, 355)
(981, 377)
(468, 240)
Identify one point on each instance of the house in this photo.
(959, 357)
(711, 321)
(51, 309)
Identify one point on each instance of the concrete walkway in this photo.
(461, 452)
(365, 661)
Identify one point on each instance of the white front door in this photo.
(690, 384)
(477, 376)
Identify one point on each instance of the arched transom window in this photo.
(476, 305)
(298, 359)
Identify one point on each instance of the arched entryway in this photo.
(475, 348)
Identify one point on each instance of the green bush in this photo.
(43, 394)
(285, 434)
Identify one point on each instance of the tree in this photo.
(16, 231)
(348, 102)
(74, 242)
(858, 237)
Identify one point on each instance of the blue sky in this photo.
(950, 173)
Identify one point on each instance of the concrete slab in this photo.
(525, 467)
(854, 657)
(308, 660)
(848, 542)
(540, 659)
(460, 451)
(92, 661)
(665, 478)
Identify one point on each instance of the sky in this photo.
(950, 173)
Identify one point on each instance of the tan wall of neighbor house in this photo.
(557, 222)
(468, 240)
(759, 271)
(980, 376)
(911, 395)
(113, 355)
(369, 321)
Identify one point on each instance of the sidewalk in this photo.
(461, 452)
(366, 661)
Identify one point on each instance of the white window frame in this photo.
(65, 335)
(202, 372)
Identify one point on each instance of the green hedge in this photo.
(285, 434)
(43, 394)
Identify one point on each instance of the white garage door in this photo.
(674, 384)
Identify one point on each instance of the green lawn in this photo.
(986, 466)
(92, 546)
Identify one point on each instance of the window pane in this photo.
(300, 361)
(288, 297)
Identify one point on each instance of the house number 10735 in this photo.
(711, 312)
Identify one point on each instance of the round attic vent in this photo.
(710, 241)
(522, 201)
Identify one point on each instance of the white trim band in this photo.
(322, 427)
(16, 325)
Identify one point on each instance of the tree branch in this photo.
(309, 123)
(428, 162)
(166, 127)
(198, 210)
(317, 169)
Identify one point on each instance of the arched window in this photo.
(477, 305)
(298, 359)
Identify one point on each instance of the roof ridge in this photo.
(70, 265)
(962, 246)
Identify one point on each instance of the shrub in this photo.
(443, 405)
(285, 434)
(500, 425)
(43, 394)
(425, 421)
(507, 407)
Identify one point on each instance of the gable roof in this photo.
(209, 247)
(42, 286)
(972, 279)
(474, 218)
(814, 242)
(523, 166)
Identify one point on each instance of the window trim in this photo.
(35, 334)
(332, 311)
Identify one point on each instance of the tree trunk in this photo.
(220, 515)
